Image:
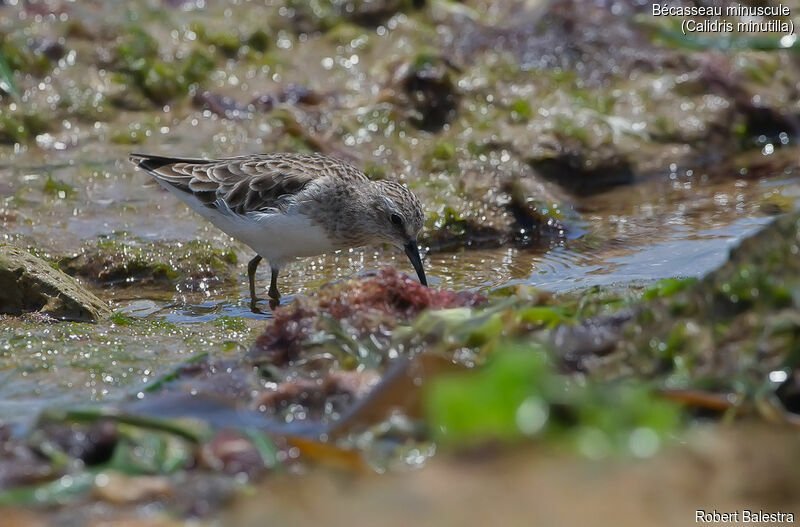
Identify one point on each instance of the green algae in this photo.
(443, 151)
(136, 133)
(121, 260)
(519, 395)
(60, 491)
(259, 40)
(226, 42)
(135, 446)
(449, 229)
(57, 188)
(230, 323)
(69, 363)
(731, 314)
(667, 287)
(521, 110)
(22, 125)
(87, 104)
(7, 83)
(120, 319)
(20, 56)
(138, 62)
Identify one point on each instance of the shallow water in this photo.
(682, 226)
(627, 236)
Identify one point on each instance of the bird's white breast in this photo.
(278, 237)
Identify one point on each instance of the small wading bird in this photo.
(285, 206)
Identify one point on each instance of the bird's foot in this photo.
(274, 298)
(254, 308)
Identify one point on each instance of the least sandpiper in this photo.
(285, 206)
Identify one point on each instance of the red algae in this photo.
(392, 293)
(367, 305)
(283, 337)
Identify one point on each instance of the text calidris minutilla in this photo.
(289, 205)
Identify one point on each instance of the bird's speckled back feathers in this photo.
(253, 183)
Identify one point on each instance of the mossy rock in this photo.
(28, 283)
(122, 260)
(730, 329)
(427, 90)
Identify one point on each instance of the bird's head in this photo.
(398, 220)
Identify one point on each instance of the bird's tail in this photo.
(154, 162)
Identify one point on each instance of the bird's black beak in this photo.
(412, 251)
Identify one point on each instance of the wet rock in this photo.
(537, 221)
(28, 283)
(590, 105)
(220, 105)
(788, 392)
(299, 94)
(93, 444)
(51, 49)
(264, 103)
(373, 12)
(318, 398)
(753, 164)
(559, 36)
(359, 308)
(124, 261)
(593, 337)
(327, 14)
(493, 201)
(201, 496)
(741, 321)
(232, 453)
(766, 117)
(426, 89)
(292, 94)
(120, 489)
(451, 230)
(20, 464)
(572, 170)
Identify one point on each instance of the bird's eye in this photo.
(396, 220)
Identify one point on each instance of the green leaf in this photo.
(519, 394)
(266, 448)
(143, 451)
(192, 430)
(173, 374)
(7, 77)
(60, 491)
(667, 287)
(471, 407)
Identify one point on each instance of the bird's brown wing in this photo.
(242, 184)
